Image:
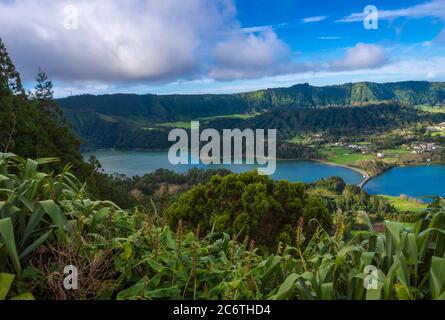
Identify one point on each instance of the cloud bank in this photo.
(150, 41)
(362, 56)
(435, 8)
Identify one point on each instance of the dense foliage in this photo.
(228, 236)
(131, 121)
(32, 124)
(248, 205)
(339, 121)
(47, 222)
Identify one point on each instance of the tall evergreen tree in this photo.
(33, 127)
(44, 87)
(10, 82)
(58, 131)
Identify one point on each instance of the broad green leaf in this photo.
(437, 277)
(327, 291)
(374, 294)
(128, 249)
(286, 289)
(33, 222)
(53, 210)
(8, 239)
(35, 244)
(6, 280)
(30, 168)
(41, 161)
(24, 296)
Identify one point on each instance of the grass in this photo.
(297, 139)
(232, 116)
(393, 155)
(404, 205)
(177, 124)
(438, 134)
(432, 109)
(344, 156)
(398, 151)
(186, 124)
(108, 118)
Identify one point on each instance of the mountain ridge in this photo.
(176, 107)
(101, 120)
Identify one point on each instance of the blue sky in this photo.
(221, 46)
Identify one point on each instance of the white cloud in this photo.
(313, 19)
(435, 8)
(129, 44)
(329, 38)
(117, 40)
(253, 56)
(256, 29)
(362, 56)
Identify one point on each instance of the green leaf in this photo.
(53, 210)
(35, 244)
(41, 161)
(24, 296)
(286, 289)
(437, 277)
(128, 249)
(7, 237)
(327, 291)
(393, 230)
(6, 280)
(33, 222)
(30, 169)
(374, 294)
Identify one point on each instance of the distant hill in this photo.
(160, 108)
(103, 120)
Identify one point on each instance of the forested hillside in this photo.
(136, 121)
(32, 124)
(157, 108)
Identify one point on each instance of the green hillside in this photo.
(165, 108)
(135, 121)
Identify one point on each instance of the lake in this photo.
(134, 163)
(415, 181)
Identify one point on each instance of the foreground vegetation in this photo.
(47, 221)
(204, 235)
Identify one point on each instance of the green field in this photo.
(404, 205)
(432, 109)
(231, 116)
(297, 139)
(438, 134)
(186, 124)
(177, 124)
(344, 156)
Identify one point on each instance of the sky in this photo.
(222, 46)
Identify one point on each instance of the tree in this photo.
(61, 140)
(34, 126)
(249, 205)
(43, 90)
(10, 82)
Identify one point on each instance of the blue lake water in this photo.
(416, 181)
(134, 163)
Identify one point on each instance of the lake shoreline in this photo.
(145, 162)
(365, 176)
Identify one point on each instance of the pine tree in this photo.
(44, 97)
(10, 82)
(44, 87)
